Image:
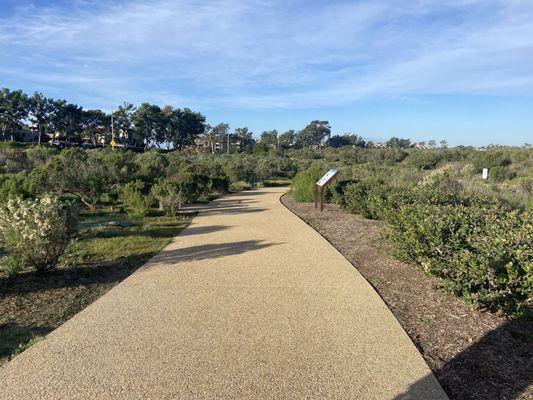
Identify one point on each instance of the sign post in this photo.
(321, 184)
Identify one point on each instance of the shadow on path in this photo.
(231, 209)
(210, 251)
(498, 366)
(201, 230)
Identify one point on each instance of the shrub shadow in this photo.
(84, 275)
(210, 251)
(12, 335)
(498, 366)
(202, 230)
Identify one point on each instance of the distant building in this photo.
(203, 144)
(423, 146)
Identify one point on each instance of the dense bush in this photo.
(14, 186)
(136, 201)
(423, 159)
(304, 182)
(76, 172)
(169, 193)
(174, 191)
(480, 249)
(35, 233)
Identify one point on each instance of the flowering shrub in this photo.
(36, 232)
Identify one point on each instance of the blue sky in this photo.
(459, 70)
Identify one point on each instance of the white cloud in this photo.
(271, 54)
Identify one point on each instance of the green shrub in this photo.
(356, 199)
(422, 159)
(170, 194)
(276, 183)
(39, 155)
(240, 186)
(501, 174)
(36, 233)
(137, 204)
(11, 265)
(480, 249)
(75, 171)
(304, 182)
(14, 187)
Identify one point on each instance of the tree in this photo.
(219, 132)
(287, 139)
(314, 133)
(41, 112)
(94, 122)
(169, 119)
(13, 110)
(67, 119)
(190, 125)
(398, 143)
(444, 144)
(244, 136)
(348, 139)
(123, 121)
(270, 138)
(149, 124)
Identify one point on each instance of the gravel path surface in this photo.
(248, 302)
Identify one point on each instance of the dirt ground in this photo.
(473, 354)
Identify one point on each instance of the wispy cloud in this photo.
(268, 54)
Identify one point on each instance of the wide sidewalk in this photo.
(248, 302)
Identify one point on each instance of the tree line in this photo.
(149, 125)
(145, 125)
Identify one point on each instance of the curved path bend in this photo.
(248, 302)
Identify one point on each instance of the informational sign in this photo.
(328, 176)
(485, 174)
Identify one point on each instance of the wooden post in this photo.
(321, 185)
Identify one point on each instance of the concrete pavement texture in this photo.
(248, 302)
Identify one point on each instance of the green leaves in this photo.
(304, 182)
(35, 233)
(481, 250)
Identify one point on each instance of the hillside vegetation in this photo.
(475, 235)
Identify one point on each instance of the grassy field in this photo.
(108, 248)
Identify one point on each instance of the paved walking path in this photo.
(248, 302)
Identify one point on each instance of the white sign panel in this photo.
(485, 174)
(327, 177)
